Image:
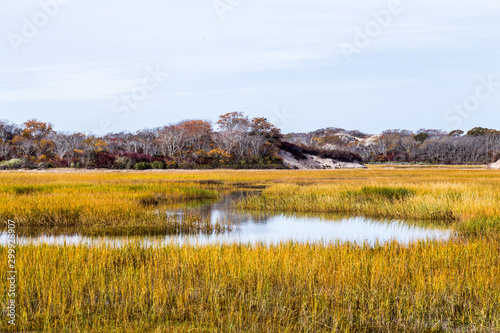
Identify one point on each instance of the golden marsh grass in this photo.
(421, 287)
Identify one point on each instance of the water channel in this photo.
(269, 228)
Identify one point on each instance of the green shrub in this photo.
(157, 165)
(142, 166)
(14, 163)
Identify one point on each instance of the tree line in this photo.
(236, 141)
(477, 146)
(239, 141)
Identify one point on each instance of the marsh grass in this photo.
(480, 227)
(422, 287)
(163, 224)
(438, 203)
(158, 223)
(377, 194)
(104, 203)
(388, 193)
(444, 196)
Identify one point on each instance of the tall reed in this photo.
(422, 287)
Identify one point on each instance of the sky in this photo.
(108, 66)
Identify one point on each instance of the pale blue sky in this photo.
(275, 58)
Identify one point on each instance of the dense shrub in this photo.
(137, 158)
(297, 151)
(124, 162)
(14, 163)
(104, 160)
(157, 165)
(142, 166)
(338, 155)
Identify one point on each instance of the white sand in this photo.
(495, 166)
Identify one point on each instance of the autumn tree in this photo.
(262, 127)
(197, 135)
(421, 137)
(91, 147)
(233, 121)
(456, 133)
(478, 131)
(34, 139)
(36, 130)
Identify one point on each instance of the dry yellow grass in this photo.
(103, 200)
(438, 201)
(97, 202)
(422, 287)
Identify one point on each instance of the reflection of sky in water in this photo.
(284, 228)
(268, 228)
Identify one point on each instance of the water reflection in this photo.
(266, 227)
(223, 209)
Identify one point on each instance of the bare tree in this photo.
(63, 144)
(170, 140)
(8, 130)
(5, 150)
(147, 142)
(226, 141)
(26, 146)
